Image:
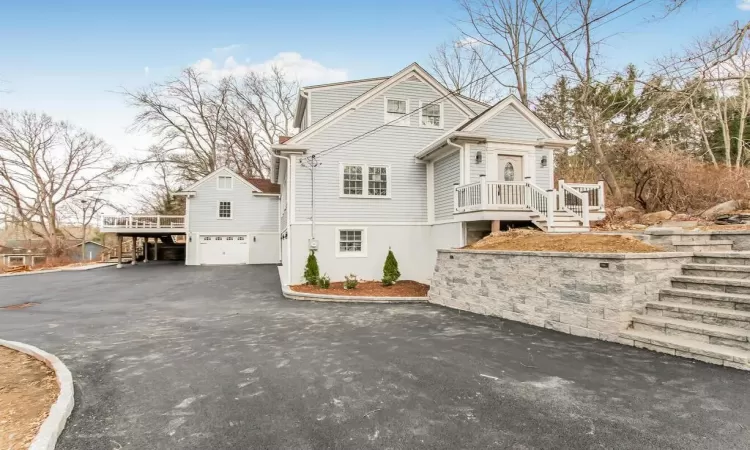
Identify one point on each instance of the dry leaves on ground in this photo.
(537, 241)
(405, 288)
(28, 388)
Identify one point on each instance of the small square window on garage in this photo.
(225, 210)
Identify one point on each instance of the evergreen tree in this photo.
(312, 272)
(390, 270)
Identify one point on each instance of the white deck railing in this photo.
(485, 195)
(595, 192)
(142, 222)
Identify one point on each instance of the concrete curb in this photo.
(304, 296)
(62, 269)
(50, 430)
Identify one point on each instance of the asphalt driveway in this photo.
(167, 356)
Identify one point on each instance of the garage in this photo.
(223, 249)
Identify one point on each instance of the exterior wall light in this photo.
(544, 161)
(479, 157)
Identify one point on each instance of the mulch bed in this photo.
(406, 288)
(28, 388)
(537, 241)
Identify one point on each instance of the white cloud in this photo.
(306, 71)
(743, 5)
(227, 49)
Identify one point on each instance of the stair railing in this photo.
(574, 202)
(541, 202)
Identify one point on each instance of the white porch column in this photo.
(156, 249)
(145, 249)
(119, 251)
(132, 261)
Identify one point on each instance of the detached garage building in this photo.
(232, 220)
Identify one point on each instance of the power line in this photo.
(491, 73)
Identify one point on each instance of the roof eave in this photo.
(459, 135)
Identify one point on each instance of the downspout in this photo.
(462, 237)
(288, 213)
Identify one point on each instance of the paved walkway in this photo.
(168, 356)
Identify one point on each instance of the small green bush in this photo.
(350, 281)
(324, 282)
(312, 272)
(390, 270)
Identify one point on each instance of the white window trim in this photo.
(340, 254)
(231, 183)
(405, 122)
(365, 180)
(231, 210)
(442, 116)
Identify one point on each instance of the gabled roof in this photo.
(342, 83)
(198, 183)
(511, 100)
(412, 69)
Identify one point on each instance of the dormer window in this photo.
(396, 111)
(224, 183)
(431, 115)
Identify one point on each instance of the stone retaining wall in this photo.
(591, 295)
(667, 237)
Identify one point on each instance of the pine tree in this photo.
(390, 270)
(312, 272)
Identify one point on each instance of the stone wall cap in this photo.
(655, 255)
(673, 231)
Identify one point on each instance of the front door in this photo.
(509, 168)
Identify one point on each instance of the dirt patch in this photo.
(537, 241)
(404, 288)
(28, 388)
(19, 306)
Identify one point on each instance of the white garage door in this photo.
(223, 249)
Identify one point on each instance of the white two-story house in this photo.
(401, 163)
(396, 162)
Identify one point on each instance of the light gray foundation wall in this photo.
(591, 295)
(414, 246)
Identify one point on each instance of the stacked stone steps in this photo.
(705, 315)
(688, 242)
(707, 246)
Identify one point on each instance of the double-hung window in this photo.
(397, 111)
(225, 210)
(351, 242)
(224, 183)
(431, 115)
(364, 180)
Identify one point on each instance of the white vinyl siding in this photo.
(474, 105)
(250, 213)
(477, 169)
(391, 146)
(322, 102)
(447, 172)
(543, 173)
(511, 124)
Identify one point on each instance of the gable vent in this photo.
(414, 78)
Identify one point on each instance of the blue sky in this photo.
(68, 58)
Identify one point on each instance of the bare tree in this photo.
(462, 67)
(186, 116)
(201, 125)
(710, 81)
(157, 195)
(507, 28)
(261, 110)
(45, 165)
(576, 57)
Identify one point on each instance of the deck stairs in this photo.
(562, 222)
(704, 315)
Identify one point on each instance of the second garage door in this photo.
(223, 249)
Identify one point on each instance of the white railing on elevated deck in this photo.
(142, 222)
(594, 190)
(541, 202)
(488, 195)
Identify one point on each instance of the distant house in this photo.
(93, 251)
(21, 253)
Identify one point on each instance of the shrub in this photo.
(324, 282)
(390, 270)
(350, 281)
(312, 272)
